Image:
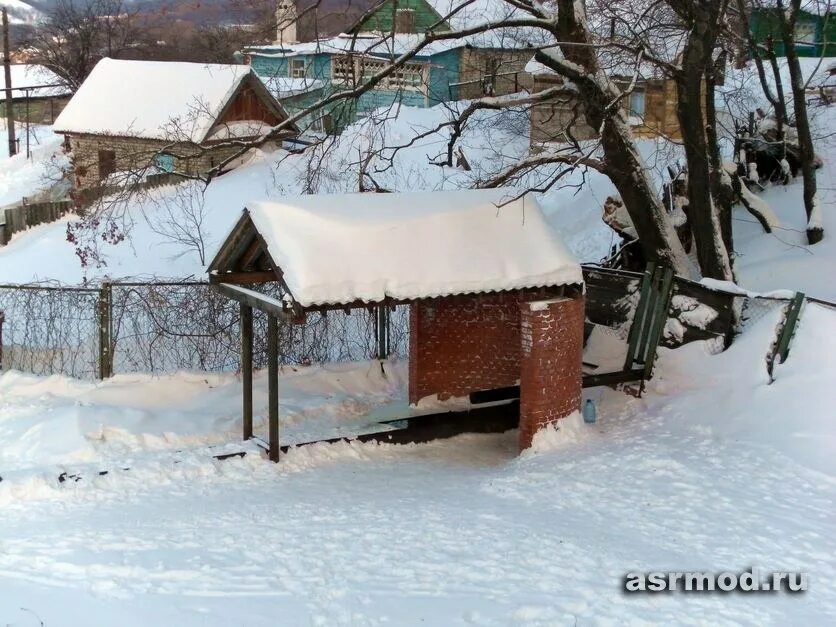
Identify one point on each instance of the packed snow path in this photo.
(463, 531)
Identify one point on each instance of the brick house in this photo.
(131, 118)
(464, 68)
(494, 296)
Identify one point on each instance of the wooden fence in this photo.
(21, 217)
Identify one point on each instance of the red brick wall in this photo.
(461, 344)
(550, 373)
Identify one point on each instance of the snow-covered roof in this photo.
(27, 75)
(338, 249)
(151, 99)
(284, 87)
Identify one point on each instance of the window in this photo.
(297, 68)
(164, 162)
(107, 163)
(405, 21)
(409, 77)
(342, 69)
(805, 33)
(637, 104)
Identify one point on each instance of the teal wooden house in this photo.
(815, 35)
(464, 68)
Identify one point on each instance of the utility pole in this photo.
(7, 69)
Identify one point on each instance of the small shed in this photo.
(38, 94)
(495, 298)
(128, 116)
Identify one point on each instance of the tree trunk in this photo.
(815, 229)
(624, 166)
(721, 186)
(711, 250)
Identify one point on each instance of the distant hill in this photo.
(21, 12)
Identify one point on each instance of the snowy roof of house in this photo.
(340, 249)
(285, 87)
(151, 99)
(37, 76)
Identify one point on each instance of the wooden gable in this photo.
(243, 258)
(384, 17)
(252, 102)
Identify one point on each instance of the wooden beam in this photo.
(243, 278)
(273, 387)
(247, 368)
(258, 301)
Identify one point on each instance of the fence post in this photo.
(782, 345)
(105, 331)
(382, 328)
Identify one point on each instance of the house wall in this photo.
(382, 20)
(550, 120)
(510, 65)
(131, 155)
(764, 22)
(41, 110)
(551, 376)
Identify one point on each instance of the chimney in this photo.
(286, 17)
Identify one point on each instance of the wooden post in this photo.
(382, 332)
(247, 368)
(7, 69)
(273, 386)
(105, 339)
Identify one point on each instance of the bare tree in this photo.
(75, 34)
(180, 218)
(787, 15)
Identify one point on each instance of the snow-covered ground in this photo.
(20, 176)
(713, 469)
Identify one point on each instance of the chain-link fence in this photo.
(165, 327)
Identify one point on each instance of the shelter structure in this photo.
(131, 116)
(495, 298)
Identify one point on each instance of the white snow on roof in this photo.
(285, 87)
(151, 99)
(349, 247)
(25, 75)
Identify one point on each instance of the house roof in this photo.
(285, 87)
(26, 75)
(153, 99)
(341, 249)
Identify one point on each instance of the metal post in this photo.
(273, 386)
(247, 368)
(7, 69)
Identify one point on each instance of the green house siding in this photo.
(821, 31)
(444, 73)
(383, 20)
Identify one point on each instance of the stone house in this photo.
(651, 107)
(133, 118)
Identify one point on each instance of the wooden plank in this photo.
(637, 326)
(273, 386)
(793, 313)
(247, 368)
(243, 278)
(247, 297)
(659, 320)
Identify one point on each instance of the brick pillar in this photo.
(552, 350)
